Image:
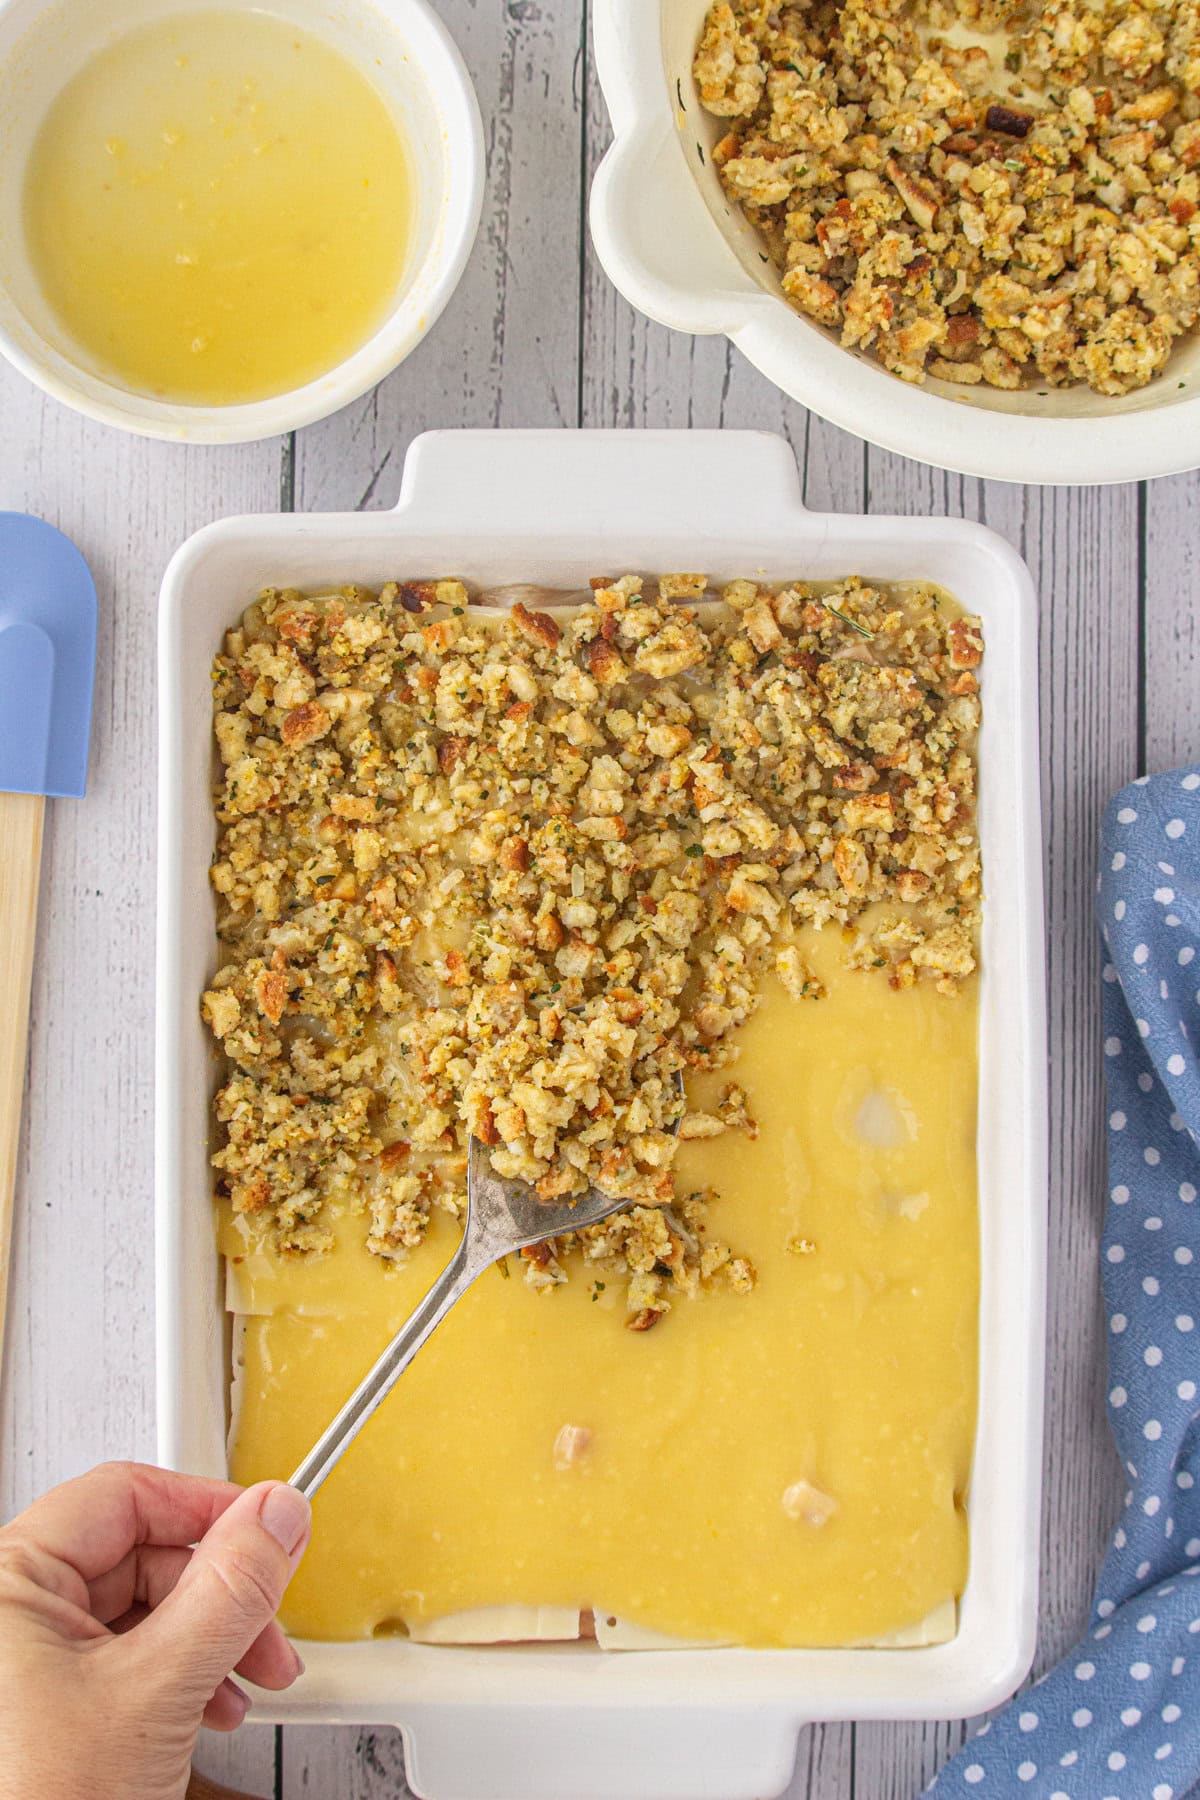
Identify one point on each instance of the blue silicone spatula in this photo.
(47, 663)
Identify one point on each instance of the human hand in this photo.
(116, 1638)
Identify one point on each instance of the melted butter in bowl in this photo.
(218, 208)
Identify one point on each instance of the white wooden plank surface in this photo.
(78, 1382)
(1171, 709)
(534, 336)
(245, 1761)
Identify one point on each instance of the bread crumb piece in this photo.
(571, 1446)
(808, 1505)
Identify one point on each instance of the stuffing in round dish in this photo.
(977, 190)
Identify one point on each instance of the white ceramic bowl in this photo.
(570, 1721)
(408, 55)
(675, 246)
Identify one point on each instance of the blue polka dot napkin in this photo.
(1119, 1718)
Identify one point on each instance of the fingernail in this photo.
(299, 1663)
(286, 1514)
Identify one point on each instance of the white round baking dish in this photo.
(411, 59)
(681, 253)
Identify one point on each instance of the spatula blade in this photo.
(47, 659)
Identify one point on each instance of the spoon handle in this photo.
(379, 1381)
(20, 864)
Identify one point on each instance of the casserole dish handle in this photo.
(511, 482)
(651, 229)
(649, 220)
(599, 1752)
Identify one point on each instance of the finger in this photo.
(227, 1708)
(228, 1594)
(91, 1522)
(271, 1661)
(143, 1578)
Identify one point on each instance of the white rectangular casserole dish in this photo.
(569, 1722)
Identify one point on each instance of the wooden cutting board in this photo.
(200, 1788)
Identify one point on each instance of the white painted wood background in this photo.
(535, 336)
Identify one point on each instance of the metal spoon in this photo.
(502, 1217)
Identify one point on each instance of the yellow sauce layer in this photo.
(218, 208)
(852, 1366)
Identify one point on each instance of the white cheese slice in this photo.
(237, 1376)
(240, 1297)
(248, 1290)
(619, 1634)
(499, 1625)
(551, 1624)
(937, 1628)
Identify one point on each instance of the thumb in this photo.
(230, 1590)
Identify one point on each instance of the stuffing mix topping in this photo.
(1019, 212)
(510, 872)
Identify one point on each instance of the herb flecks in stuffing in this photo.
(509, 874)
